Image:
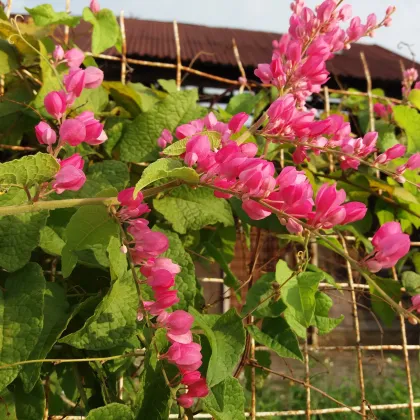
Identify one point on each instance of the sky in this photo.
(263, 15)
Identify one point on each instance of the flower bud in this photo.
(58, 53)
(45, 134)
(93, 77)
(74, 57)
(237, 121)
(94, 6)
(56, 103)
(75, 81)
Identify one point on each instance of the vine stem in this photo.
(76, 202)
(59, 361)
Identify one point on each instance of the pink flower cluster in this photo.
(145, 248)
(390, 244)
(410, 76)
(236, 169)
(298, 63)
(383, 111)
(287, 124)
(83, 128)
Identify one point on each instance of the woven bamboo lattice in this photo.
(364, 409)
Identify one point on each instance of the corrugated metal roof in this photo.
(155, 40)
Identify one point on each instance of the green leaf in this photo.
(226, 400)
(139, 141)
(9, 60)
(127, 97)
(229, 279)
(25, 50)
(411, 282)
(244, 102)
(382, 308)
(386, 135)
(94, 100)
(166, 168)
(106, 32)
(192, 209)
(322, 309)
(111, 411)
(29, 170)
(19, 236)
(89, 226)
(44, 15)
(264, 296)
(184, 281)
(384, 212)
(50, 241)
(21, 318)
(114, 319)
(328, 277)
(103, 175)
(409, 120)
(277, 335)
(179, 147)
(117, 260)
(56, 318)
(30, 406)
(227, 340)
(414, 98)
(299, 296)
(168, 85)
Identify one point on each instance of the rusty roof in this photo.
(155, 40)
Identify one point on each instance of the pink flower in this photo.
(159, 264)
(184, 355)
(382, 111)
(164, 139)
(94, 6)
(125, 198)
(93, 128)
(210, 120)
(149, 244)
(164, 300)
(354, 211)
(73, 132)
(198, 389)
(392, 153)
(74, 58)
(390, 244)
(70, 176)
(255, 210)
(237, 121)
(75, 160)
(56, 103)
(198, 147)
(185, 130)
(184, 400)
(413, 162)
(45, 134)
(359, 148)
(58, 53)
(161, 280)
(75, 81)
(415, 300)
(179, 322)
(329, 212)
(93, 77)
